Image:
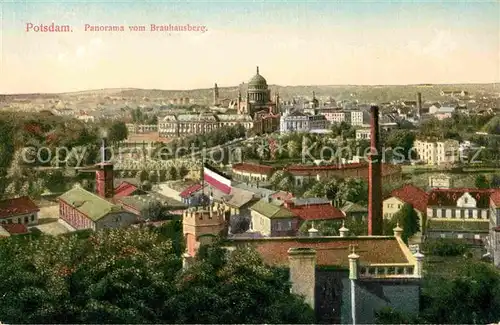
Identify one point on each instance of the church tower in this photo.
(216, 95)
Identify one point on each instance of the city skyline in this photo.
(293, 43)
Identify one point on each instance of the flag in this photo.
(216, 180)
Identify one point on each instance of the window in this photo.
(32, 217)
(278, 226)
(443, 235)
(390, 206)
(399, 206)
(460, 236)
(466, 200)
(477, 236)
(26, 219)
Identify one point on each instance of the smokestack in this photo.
(375, 178)
(419, 104)
(303, 273)
(104, 173)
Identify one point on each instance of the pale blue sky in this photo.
(306, 42)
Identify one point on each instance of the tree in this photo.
(475, 284)
(293, 148)
(408, 220)
(237, 289)
(482, 181)
(135, 276)
(172, 173)
(117, 132)
(401, 141)
(183, 171)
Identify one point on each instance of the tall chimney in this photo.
(303, 273)
(419, 104)
(104, 172)
(375, 178)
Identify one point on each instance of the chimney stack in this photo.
(419, 104)
(104, 172)
(303, 273)
(375, 178)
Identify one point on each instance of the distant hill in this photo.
(375, 93)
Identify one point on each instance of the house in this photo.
(438, 152)
(20, 210)
(408, 194)
(310, 210)
(363, 134)
(458, 213)
(140, 204)
(354, 211)
(271, 219)
(82, 209)
(127, 188)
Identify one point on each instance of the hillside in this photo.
(204, 96)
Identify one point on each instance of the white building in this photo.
(356, 118)
(363, 134)
(438, 152)
(299, 122)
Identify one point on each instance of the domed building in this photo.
(258, 104)
(258, 97)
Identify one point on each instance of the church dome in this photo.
(257, 80)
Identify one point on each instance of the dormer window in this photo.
(466, 200)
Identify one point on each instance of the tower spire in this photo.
(257, 69)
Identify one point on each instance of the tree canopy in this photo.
(136, 276)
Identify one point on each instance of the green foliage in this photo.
(135, 276)
(401, 141)
(117, 132)
(408, 220)
(482, 181)
(445, 247)
(476, 286)
(388, 315)
(237, 289)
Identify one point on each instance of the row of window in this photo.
(460, 213)
(26, 219)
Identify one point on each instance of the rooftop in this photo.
(412, 195)
(90, 204)
(316, 211)
(17, 206)
(449, 197)
(271, 210)
(330, 251)
(253, 168)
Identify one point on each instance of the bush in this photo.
(388, 315)
(445, 247)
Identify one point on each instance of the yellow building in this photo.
(407, 194)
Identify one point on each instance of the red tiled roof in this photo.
(449, 197)
(17, 206)
(495, 197)
(330, 251)
(190, 190)
(253, 168)
(316, 212)
(413, 195)
(125, 189)
(15, 228)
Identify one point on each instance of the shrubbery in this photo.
(445, 247)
